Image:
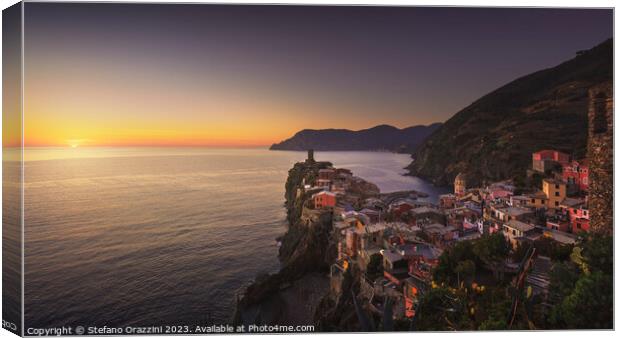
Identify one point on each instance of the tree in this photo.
(466, 271)
(598, 252)
(584, 287)
(445, 271)
(492, 250)
(589, 305)
(443, 309)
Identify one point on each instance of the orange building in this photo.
(555, 190)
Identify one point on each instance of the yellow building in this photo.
(460, 185)
(555, 191)
(537, 200)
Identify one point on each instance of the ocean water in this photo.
(122, 236)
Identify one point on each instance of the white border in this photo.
(446, 3)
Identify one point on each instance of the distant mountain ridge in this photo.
(379, 138)
(493, 138)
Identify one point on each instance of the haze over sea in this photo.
(156, 236)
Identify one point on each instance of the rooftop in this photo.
(573, 202)
(324, 192)
(560, 236)
(438, 228)
(553, 181)
(419, 249)
(517, 211)
(392, 256)
(523, 227)
(521, 197)
(539, 194)
(424, 210)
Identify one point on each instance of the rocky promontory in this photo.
(293, 294)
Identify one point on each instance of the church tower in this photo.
(460, 185)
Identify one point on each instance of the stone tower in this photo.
(600, 156)
(460, 184)
(310, 155)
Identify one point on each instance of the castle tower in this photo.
(460, 185)
(600, 156)
(310, 155)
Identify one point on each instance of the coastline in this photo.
(308, 249)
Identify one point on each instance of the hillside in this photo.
(494, 137)
(381, 137)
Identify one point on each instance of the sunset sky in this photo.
(125, 74)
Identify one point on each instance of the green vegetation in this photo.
(583, 287)
(493, 138)
(580, 293)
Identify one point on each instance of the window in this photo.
(578, 225)
(557, 193)
(534, 200)
(557, 203)
(557, 186)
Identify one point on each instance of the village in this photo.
(396, 240)
(520, 253)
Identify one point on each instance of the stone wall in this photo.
(600, 155)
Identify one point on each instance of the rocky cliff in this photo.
(305, 255)
(493, 138)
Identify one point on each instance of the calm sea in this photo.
(120, 236)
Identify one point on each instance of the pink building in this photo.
(544, 160)
(575, 174)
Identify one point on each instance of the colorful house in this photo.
(413, 289)
(324, 199)
(515, 230)
(575, 174)
(327, 174)
(401, 206)
(578, 215)
(447, 201)
(520, 201)
(559, 224)
(545, 160)
(555, 190)
(537, 200)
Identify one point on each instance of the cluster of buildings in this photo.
(394, 241)
(558, 209)
(403, 236)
